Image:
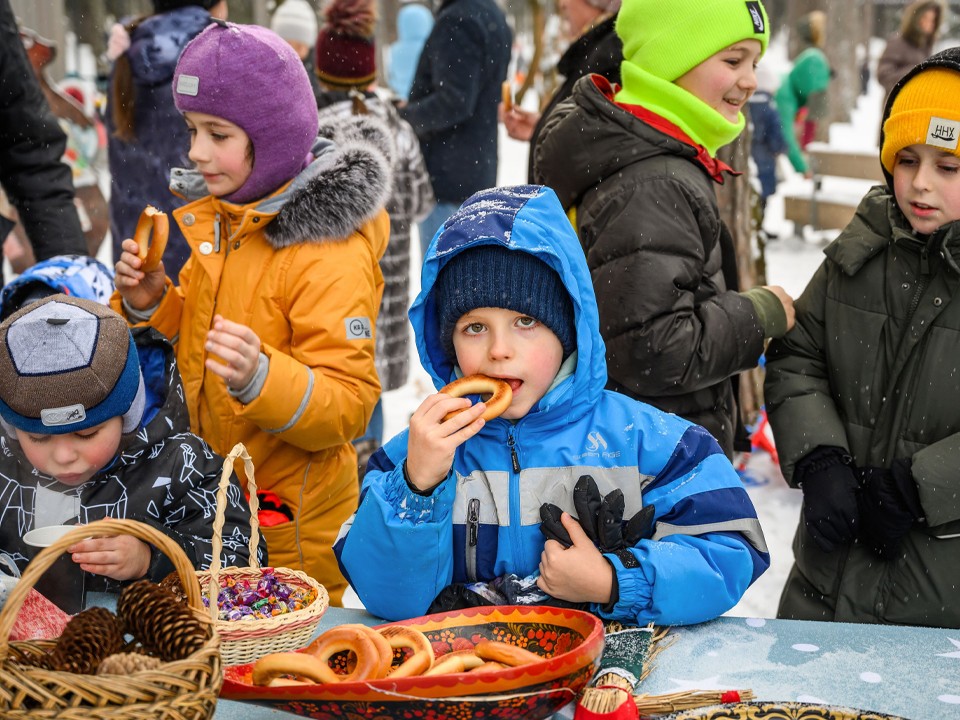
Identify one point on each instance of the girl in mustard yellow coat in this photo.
(273, 315)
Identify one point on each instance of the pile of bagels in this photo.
(392, 652)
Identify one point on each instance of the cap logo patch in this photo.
(66, 415)
(756, 17)
(188, 85)
(943, 133)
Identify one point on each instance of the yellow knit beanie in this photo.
(925, 112)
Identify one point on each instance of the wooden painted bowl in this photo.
(570, 642)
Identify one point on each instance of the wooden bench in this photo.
(826, 208)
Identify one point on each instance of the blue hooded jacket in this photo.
(400, 549)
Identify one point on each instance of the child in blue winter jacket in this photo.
(506, 293)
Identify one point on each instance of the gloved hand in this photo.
(829, 482)
(889, 506)
(601, 518)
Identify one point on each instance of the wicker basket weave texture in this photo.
(181, 690)
(244, 641)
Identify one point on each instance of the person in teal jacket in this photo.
(805, 86)
(506, 292)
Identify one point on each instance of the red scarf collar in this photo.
(714, 167)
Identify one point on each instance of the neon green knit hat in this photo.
(662, 40)
(669, 38)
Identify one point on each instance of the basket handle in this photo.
(99, 528)
(213, 584)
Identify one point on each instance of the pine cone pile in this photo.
(89, 637)
(93, 641)
(164, 626)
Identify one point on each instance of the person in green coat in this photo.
(804, 87)
(863, 395)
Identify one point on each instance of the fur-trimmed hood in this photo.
(347, 183)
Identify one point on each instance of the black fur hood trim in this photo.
(345, 186)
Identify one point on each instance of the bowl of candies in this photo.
(503, 662)
(263, 610)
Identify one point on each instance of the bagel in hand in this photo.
(496, 393)
(153, 229)
(506, 93)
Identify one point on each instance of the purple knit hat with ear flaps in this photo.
(250, 76)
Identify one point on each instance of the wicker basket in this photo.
(182, 690)
(244, 641)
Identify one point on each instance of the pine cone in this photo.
(164, 626)
(127, 664)
(89, 637)
(172, 583)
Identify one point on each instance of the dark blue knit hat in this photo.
(493, 276)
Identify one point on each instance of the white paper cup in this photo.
(46, 536)
(63, 582)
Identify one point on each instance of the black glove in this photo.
(829, 482)
(889, 506)
(601, 519)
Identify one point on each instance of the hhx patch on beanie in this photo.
(926, 111)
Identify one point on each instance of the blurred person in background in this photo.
(766, 139)
(346, 69)
(38, 184)
(802, 97)
(453, 103)
(913, 43)
(147, 136)
(414, 22)
(594, 48)
(296, 22)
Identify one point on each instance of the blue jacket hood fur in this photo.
(401, 549)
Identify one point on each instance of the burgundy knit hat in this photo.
(346, 53)
(250, 76)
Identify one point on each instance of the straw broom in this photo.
(603, 700)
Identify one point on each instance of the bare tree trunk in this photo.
(737, 200)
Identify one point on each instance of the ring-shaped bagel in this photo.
(499, 391)
(384, 649)
(454, 662)
(347, 638)
(501, 652)
(270, 667)
(400, 637)
(153, 223)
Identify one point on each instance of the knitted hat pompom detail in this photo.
(346, 51)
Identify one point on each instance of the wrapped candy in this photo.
(270, 597)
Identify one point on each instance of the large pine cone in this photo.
(172, 583)
(164, 626)
(89, 637)
(127, 664)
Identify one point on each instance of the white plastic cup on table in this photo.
(63, 582)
